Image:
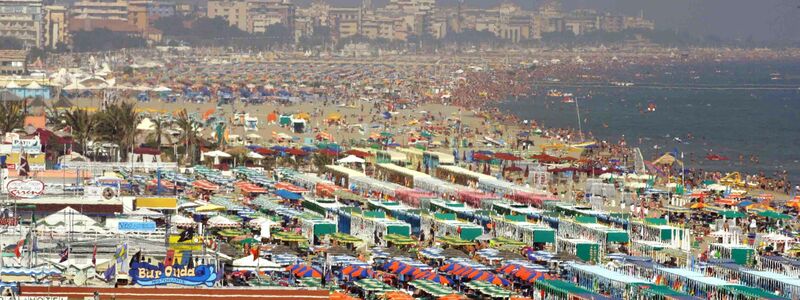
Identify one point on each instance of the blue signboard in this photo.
(145, 274)
(139, 226)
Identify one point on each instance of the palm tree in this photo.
(82, 124)
(189, 136)
(117, 124)
(11, 115)
(159, 127)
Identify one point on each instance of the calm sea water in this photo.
(746, 122)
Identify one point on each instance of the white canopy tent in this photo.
(350, 159)
(247, 263)
(216, 154)
(221, 222)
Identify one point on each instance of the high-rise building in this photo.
(55, 22)
(100, 9)
(22, 19)
(253, 15)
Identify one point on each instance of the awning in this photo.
(205, 185)
(288, 195)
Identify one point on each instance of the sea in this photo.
(739, 110)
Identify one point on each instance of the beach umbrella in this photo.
(422, 274)
(484, 276)
(534, 275)
(463, 272)
(507, 269)
(349, 269)
(294, 267)
(448, 267)
(499, 281)
(481, 157)
(308, 272)
(394, 265)
(295, 151)
(507, 156)
(438, 279)
(249, 241)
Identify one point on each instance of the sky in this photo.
(761, 20)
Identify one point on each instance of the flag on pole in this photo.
(110, 272)
(24, 167)
(18, 248)
(255, 252)
(64, 255)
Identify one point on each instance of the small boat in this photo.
(716, 157)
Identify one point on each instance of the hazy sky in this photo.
(761, 19)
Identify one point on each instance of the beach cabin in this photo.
(565, 290)
(656, 229)
(414, 157)
(459, 175)
(779, 264)
(620, 285)
(588, 228)
(706, 287)
(342, 175)
(390, 157)
(323, 206)
(371, 226)
(314, 227)
(434, 159)
(518, 228)
(447, 225)
(399, 211)
(784, 285)
(740, 254)
(397, 174)
(374, 187)
(660, 252)
(572, 210)
(510, 208)
(583, 249)
(605, 281)
(459, 209)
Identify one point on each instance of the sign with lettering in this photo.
(145, 274)
(27, 188)
(8, 222)
(30, 146)
(32, 298)
(137, 226)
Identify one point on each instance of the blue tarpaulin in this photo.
(288, 195)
